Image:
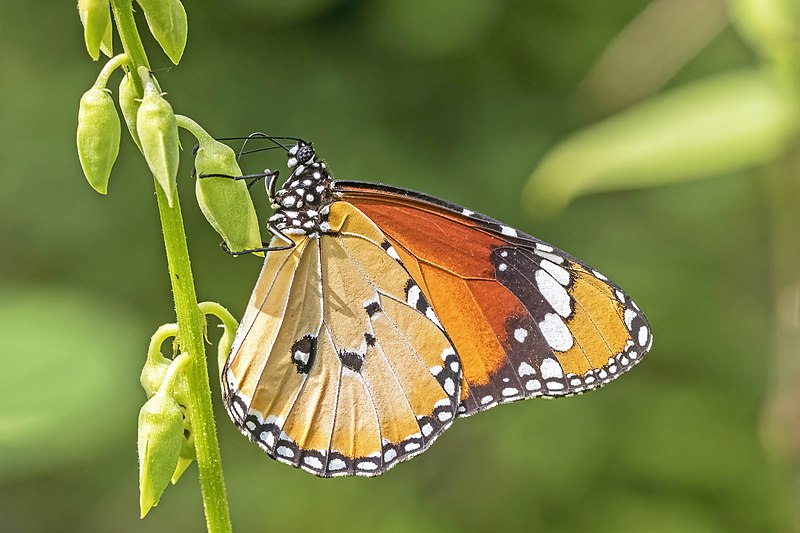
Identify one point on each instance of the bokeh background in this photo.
(677, 115)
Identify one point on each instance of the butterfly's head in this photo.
(301, 153)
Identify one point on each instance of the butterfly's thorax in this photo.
(302, 204)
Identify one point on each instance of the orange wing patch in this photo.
(526, 319)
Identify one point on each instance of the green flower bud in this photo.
(157, 366)
(160, 440)
(98, 136)
(96, 18)
(168, 24)
(153, 374)
(158, 135)
(129, 103)
(107, 44)
(226, 203)
(188, 453)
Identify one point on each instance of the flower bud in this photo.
(168, 24)
(129, 103)
(153, 374)
(158, 135)
(226, 203)
(188, 453)
(160, 437)
(96, 18)
(98, 136)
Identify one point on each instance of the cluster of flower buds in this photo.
(153, 125)
(165, 439)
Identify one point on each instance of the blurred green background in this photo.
(462, 99)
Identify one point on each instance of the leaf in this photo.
(716, 126)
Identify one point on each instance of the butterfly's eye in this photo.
(305, 153)
(301, 154)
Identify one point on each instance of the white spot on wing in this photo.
(629, 316)
(432, 316)
(560, 274)
(413, 295)
(336, 464)
(551, 257)
(553, 292)
(525, 370)
(313, 462)
(643, 335)
(505, 230)
(533, 384)
(285, 451)
(551, 369)
(520, 334)
(556, 332)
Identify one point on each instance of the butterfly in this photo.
(381, 315)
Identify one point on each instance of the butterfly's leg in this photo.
(271, 174)
(266, 248)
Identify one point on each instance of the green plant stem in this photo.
(163, 333)
(191, 326)
(192, 127)
(113, 64)
(229, 324)
(191, 323)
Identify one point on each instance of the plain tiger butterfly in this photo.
(381, 315)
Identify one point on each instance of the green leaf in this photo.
(168, 24)
(98, 137)
(716, 126)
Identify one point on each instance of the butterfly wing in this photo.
(527, 319)
(336, 368)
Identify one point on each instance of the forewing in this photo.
(526, 319)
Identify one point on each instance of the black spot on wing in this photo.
(352, 360)
(304, 351)
(372, 308)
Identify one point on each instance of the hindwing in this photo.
(340, 366)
